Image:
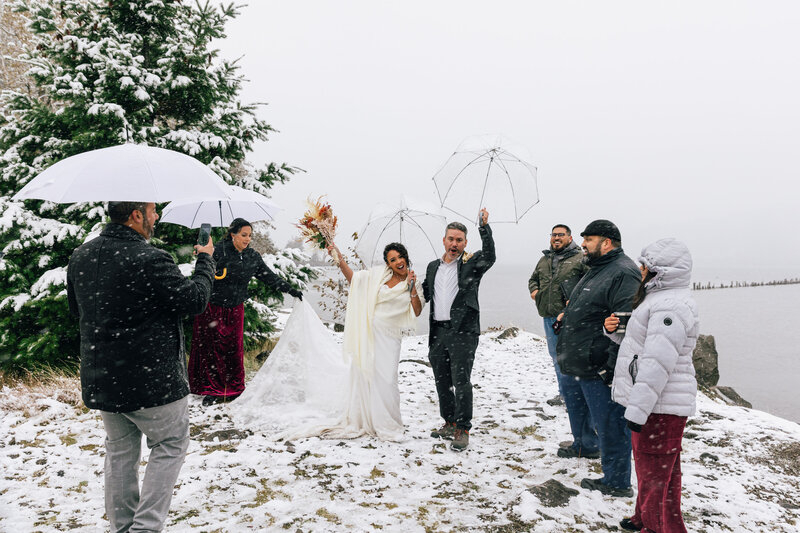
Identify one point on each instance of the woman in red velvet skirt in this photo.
(216, 362)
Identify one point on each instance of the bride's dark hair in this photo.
(399, 248)
(236, 226)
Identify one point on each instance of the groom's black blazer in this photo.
(465, 311)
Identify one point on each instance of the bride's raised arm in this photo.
(343, 266)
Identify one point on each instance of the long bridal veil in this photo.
(303, 381)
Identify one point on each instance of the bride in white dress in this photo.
(309, 387)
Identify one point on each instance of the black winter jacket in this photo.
(583, 350)
(130, 297)
(238, 269)
(465, 311)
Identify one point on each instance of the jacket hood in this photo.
(671, 261)
(569, 250)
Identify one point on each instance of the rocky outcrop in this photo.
(511, 332)
(706, 362)
(553, 493)
(731, 397)
(706, 367)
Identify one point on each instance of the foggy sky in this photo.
(671, 119)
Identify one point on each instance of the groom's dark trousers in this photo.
(451, 355)
(452, 343)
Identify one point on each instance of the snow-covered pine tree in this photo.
(108, 72)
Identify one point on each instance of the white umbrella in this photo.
(249, 205)
(128, 172)
(488, 171)
(416, 224)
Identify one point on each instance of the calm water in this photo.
(757, 329)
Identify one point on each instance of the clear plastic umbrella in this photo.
(488, 171)
(418, 225)
(249, 205)
(128, 172)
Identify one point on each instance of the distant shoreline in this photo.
(741, 284)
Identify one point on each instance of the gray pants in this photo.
(167, 430)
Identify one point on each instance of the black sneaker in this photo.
(569, 452)
(210, 400)
(627, 523)
(597, 484)
(447, 431)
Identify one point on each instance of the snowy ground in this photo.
(741, 467)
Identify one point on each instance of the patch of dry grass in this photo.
(21, 391)
(253, 359)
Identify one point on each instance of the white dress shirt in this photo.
(445, 289)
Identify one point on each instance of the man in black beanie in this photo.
(587, 357)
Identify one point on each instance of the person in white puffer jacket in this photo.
(654, 379)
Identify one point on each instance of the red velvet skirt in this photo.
(216, 361)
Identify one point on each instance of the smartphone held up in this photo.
(204, 235)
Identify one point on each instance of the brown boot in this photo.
(445, 432)
(460, 440)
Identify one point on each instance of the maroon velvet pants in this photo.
(657, 456)
(216, 362)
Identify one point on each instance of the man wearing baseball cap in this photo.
(587, 357)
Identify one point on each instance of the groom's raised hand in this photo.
(484, 216)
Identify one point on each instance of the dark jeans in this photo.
(584, 436)
(552, 341)
(451, 355)
(590, 397)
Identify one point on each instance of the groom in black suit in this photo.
(451, 285)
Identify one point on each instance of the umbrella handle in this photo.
(224, 273)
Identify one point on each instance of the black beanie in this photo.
(603, 228)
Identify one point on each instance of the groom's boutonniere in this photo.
(465, 257)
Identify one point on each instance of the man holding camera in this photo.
(587, 357)
(130, 298)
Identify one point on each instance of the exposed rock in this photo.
(509, 333)
(705, 360)
(553, 493)
(266, 349)
(221, 435)
(706, 366)
(555, 400)
(731, 397)
(338, 328)
(262, 356)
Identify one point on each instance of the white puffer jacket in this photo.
(654, 371)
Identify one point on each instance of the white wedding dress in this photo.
(311, 386)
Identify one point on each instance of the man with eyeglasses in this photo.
(550, 285)
(586, 356)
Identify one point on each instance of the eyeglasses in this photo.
(558, 234)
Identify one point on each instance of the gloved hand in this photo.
(557, 325)
(606, 374)
(633, 426)
(296, 293)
